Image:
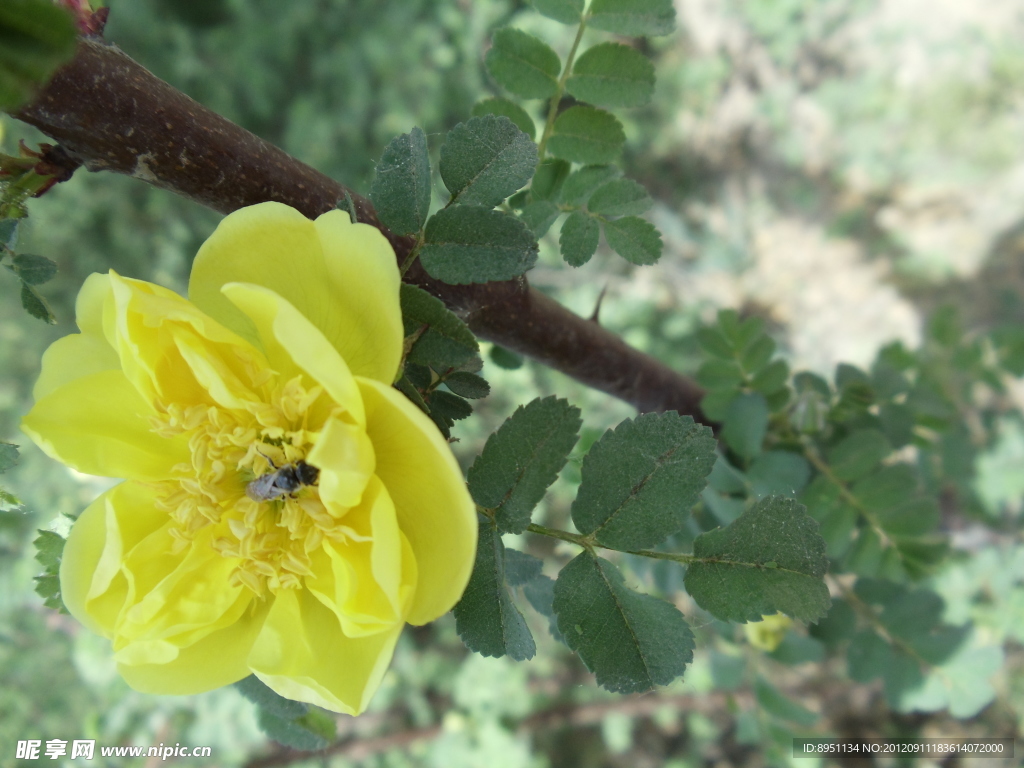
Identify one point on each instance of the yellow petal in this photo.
(341, 276)
(145, 323)
(178, 598)
(293, 344)
(360, 579)
(72, 357)
(89, 570)
(302, 654)
(99, 424)
(344, 455)
(434, 508)
(90, 305)
(365, 282)
(214, 661)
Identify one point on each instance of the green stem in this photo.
(588, 543)
(549, 124)
(822, 467)
(411, 258)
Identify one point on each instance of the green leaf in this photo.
(314, 730)
(36, 305)
(770, 560)
(714, 343)
(509, 109)
(612, 75)
(581, 183)
(486, 618)
(715, 404)
(48, 588)
(640, 480)
(8, 233)
(522, 459)
(38, 37)
(266, 699)
(32, 269)
(521, 568)
(522, 64)
(757, 353)
(540, 593)
(8, 500)
(745, 424)
(449, 407)
(471, 244)
(631, 641)
(505, 358)
(778, 472)
(565, 11)
(539, 216)
(771, 378)
(894, 495)
(619, 197)
(858, 453)
(8, 456)
(586, 135)
(633, 17)
(401, 185)
(719, 374)
(486, 159)
(468, 385)
(634, 239)
(548, 179)
(778, 705)
(578, 239)
(49, 549)
(447, 342)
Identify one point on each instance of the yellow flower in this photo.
(768, 633)
(285, 353)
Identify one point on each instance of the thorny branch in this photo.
(112, 114)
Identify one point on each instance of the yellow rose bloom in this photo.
(283, 358)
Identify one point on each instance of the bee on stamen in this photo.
(286, 480)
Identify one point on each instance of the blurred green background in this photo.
(837, 167)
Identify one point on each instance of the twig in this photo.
(114, 115)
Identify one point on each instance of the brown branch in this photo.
(114, 115)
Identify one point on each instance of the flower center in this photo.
(262, 445)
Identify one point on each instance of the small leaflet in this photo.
(486, 618)
(770, 560)
(486, 159)
(641, 479)
(401, 185)
(630, 641)
(522, 459)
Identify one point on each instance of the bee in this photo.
(283, 481)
